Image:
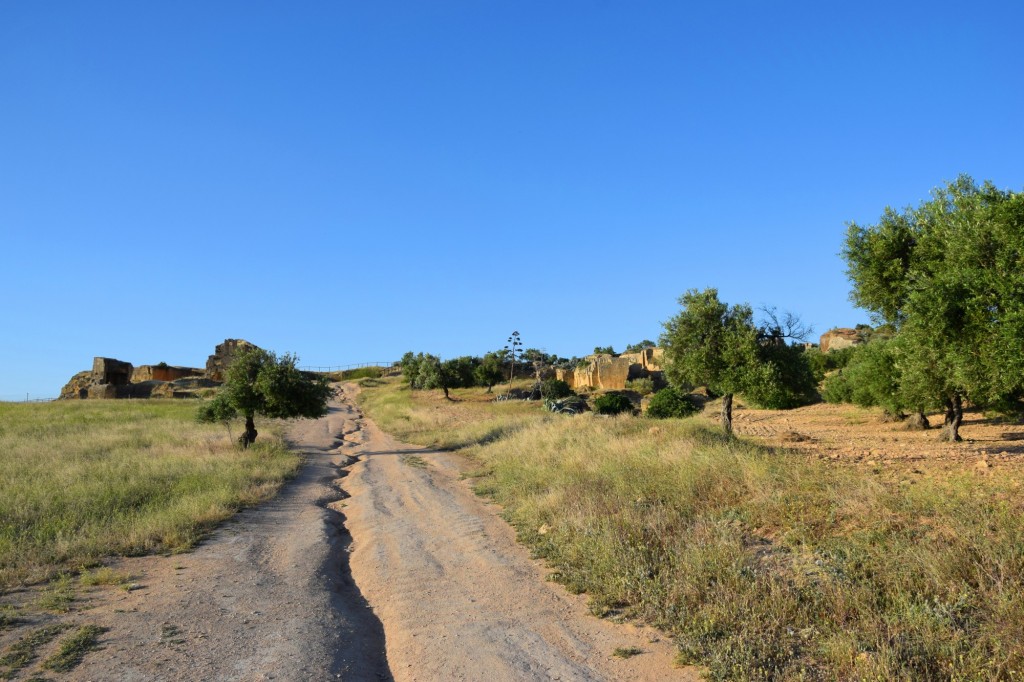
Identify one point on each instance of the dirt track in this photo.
(430, 585)
(459, 599)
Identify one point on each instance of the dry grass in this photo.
(763, 564)
(82, 480)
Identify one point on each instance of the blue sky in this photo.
(351, 180)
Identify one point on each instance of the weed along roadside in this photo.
(761, 563)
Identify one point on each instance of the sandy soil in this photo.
(459, 599)
(368, 566)
(850, 435)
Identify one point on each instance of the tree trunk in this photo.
(446, 396)
(727, 412)
(918, 421)
(954, 417)
(249, 435)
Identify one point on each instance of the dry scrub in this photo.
(763, 563)
(82, 480)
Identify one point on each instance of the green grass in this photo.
(627, 652)
(58, 596)
(86, 479)
(74, 648)
(414, 461)
(762, 564)
(26, 649)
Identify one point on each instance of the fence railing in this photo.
(320, 369)
(23, 399)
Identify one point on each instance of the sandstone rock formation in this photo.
(110, 378)
(163, 372)
(608, 372)
(841, 337)
(217, 363)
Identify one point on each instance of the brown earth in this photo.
(376, 563)
(851, 435)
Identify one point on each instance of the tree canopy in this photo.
(258, 382)
(948, 276)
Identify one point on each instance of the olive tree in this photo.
(709, 343)
(258, 382)
(948, 276)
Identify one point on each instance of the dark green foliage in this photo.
(555, 389)
(637, 347)
(781, 379)
(708, 343)
(871, 378)
(823, 363)
(489, 371)
(604, 350)
(671, 403)
(948, 276)
(258, 382)
(612, 403)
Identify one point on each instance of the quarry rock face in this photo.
(163, 373)
(110, 378)
(77, 387)
(218, 363)
(839, 338)
(111, 371)
(608, 372)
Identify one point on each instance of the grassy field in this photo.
(85, 479)
(763, 564)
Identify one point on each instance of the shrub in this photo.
(670, 403)
(782, 380)
(836, 389)
(555, 389)
(643, 385)
(612, 403)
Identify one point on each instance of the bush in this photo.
(671, 403)
(555, 389)
(823, 364)
(643, 385)
(782, 380)
(612, 403)
(836, 389)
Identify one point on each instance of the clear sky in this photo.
(351, 180)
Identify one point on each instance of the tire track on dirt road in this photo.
(459, 599)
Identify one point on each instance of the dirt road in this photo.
(458, 598)
(377, 563)
(267, 597)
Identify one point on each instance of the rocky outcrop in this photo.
(163, 372)
(608, 372)
(218, 363)
(110, 378)
(77, 387)
(839, 338)
(111, 371)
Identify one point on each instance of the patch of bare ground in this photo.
(851, 435)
